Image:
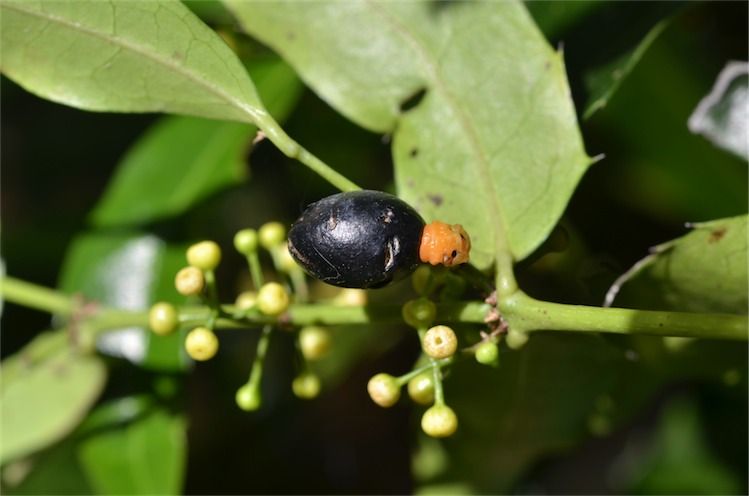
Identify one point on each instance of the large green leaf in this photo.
(146, 456)
(704, 271)
(484, 130)
(45, 401)
(182, 160)
(129, 271)
(153, 56)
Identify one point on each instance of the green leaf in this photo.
(54, 471)
(603, 82)
(129, 271)
(704, 271)
(182, 160)
(146, 456)
(45, 402)
(484, 130)
(123, 56)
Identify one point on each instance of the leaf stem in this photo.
(294, 150)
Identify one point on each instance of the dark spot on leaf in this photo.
(177, 55)
(547, 65)
(410, 183)
(414, 152)
(413, 100)
(290, 36)
(436, 199)
(717, 235)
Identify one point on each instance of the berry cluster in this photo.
(268, 299)
(268, 303)
(439, 345)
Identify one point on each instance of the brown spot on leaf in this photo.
(414, 152)
(436, 199)
(717, 235)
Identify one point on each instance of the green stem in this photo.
(256, 271)
(521, 311)
(527, 314)
(439, 395)
(294, 150)
(36, 297)
(410, 375)
(256, 373)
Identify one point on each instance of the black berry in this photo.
(359, 239)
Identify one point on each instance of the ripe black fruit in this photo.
(359, 239)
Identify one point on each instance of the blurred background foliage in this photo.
(591, 414)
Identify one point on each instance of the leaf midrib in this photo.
(252, 112)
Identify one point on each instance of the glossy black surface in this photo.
(360, 239)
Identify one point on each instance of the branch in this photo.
(521, 311)
(527, 314)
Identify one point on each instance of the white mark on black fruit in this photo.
(388, 216)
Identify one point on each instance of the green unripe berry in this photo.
(246, 241)
(248, 398)
(384, 390)
(246, 300)
(419, 313)
(205, 255)
(421, 388)
(351, 297)
(516, 339)
(439, 421)
(201, 344)
(189, 281)
(163, 318)
(314, 342)
(487, 353)
(272, 234)
(421, 279)
(272, 299)
(306, 386)
(440, 342)
(285, 261)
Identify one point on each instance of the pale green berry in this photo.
(516, 339)
(272, 299)
(201, 344)
(384, 389)
(314, 342)
(421, 388)
(419, 313)
(248, 398)
(246, 241)
(306, 386)
(163, 318)
(246, 300)
(487, 353)
(272, 234)
(205, 255)
(189, 281)
(440, 342)
(439, 421)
